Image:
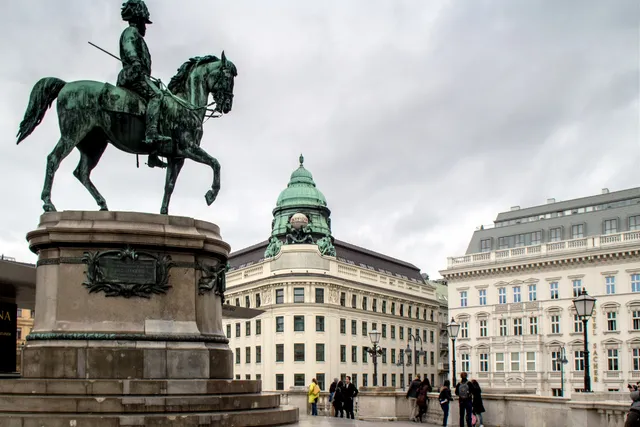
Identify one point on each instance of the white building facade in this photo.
(512, 295)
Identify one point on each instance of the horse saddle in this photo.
(121, 100)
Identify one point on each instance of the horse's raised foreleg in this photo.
(89, 158)
(61, 150)
(173, 170)
(197, 154)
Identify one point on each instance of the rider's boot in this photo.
(153, 138)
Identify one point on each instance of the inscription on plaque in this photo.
(127, 273)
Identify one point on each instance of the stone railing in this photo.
(297, 396)
(545, 249)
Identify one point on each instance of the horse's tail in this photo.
(42, 96)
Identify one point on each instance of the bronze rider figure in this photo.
(136, 71)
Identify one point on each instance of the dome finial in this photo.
(301, 158)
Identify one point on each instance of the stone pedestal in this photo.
(129, 321)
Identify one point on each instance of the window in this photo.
(577, 231)
(401, 332)
(532, 293)
(485, 245)
(401, 309)
(635, 316)
(577, 324)
(320, 379)
(517, 326)
(319, 296)
(465, 362)
(484, 362)
(364, 329)
(354, 354)
(279, 352)
(464, 330)
(393, 380)
(237, 330)
(298, 380)
(19, 312)
(258, 326)
(578, 360)
(502, 295)
(553, 287)
(319, 353)
(610, 283)
(343, 326)
(298, 295)
(634, 223)
(374, 326)
(393, 355)
(610, 226)
(384, 330)
(503, 243)
(503, 327)
(247, 355)
(298, 352)
(463, 299)
(375, 304)
(247, 301)
(384, 355)
(19, 333)
(516, 294)
(364, 303)
(431, 337)
(499, 362)
(556, 361)
(343, 299)
(280, 324)
(533, 325)
(635, 283)
(228, 331)
(247, 329)
(515, 362)
(555, 324)
(393, 308)
(612, 359)
(354, 327)
(384, 306)
(393, 332)
(555, 234)
(577, 287)
(536, 237)
(354, 299)
(279, 382)
(531, 361)
(258, 301)
(237, 302)
(279, 297)
(635, 358)
(237, 355)
(432, 358)
(384, 380)
(611, 321)
(364, 355)
(482, 296)
(319, 323)
(298, 323)
(258, 354)
(343, 353)
(483, 328)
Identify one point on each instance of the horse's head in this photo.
(220, 83)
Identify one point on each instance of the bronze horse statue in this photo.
(93, 114)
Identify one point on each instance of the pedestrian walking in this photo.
(445, 398)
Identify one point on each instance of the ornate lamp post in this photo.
(584, 304)
(375, 351)
(562, 360)
(418, 353)
(453, 329)
(401, 363)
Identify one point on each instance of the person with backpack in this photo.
(445, 398)
(464, 391)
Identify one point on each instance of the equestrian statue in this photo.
(138, 115)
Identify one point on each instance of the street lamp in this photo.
(453, 328)
(584, 307)
(401, 363)
(374, 336)
(562, 360)
(419, 353)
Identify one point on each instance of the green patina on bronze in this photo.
(138, 116)
(301, 197)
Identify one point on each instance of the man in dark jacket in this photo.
(412, 395)
(633, 417)
(348, 394)
(464, 391)
(338, 400)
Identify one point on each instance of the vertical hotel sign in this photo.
(8, 326)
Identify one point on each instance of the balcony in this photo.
(442, 366)
(545, 249)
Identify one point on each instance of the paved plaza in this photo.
(307, 421)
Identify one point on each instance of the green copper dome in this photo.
(301, 190)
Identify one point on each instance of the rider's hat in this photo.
(135, 9)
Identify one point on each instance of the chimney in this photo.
(605, 191)
(515, 208)
(552, 200)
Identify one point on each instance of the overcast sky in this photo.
(419, 120)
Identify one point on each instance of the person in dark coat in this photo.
(478, 407)
(338, 400)
(464, 391)
(412, 395)
(332, 389)
(348, 394)
(633, 416)
(423, 399)
(445, 398)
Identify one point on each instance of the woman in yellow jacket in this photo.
(314, 393)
